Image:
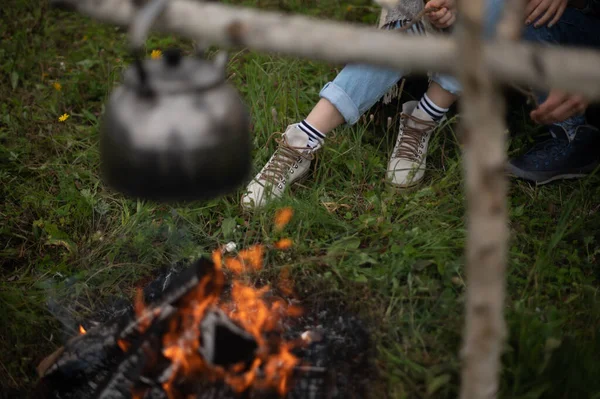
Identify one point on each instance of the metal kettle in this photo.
(174, 130)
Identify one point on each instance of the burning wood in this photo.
(186, 339)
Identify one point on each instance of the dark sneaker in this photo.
(559, 158)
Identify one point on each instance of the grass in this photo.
(396, 257)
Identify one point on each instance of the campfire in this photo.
(207, 337)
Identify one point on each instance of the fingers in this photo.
(535, 14)
(574, 106)
(554, 100)
(559, 107)
(531, 5)
(544, 12)
(434, 4)
(442, 18)
(550, 12)
(446, 20)
(437, 15)
(560, 113)
(559, 13)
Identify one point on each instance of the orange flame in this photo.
(283, 217)
(278, 370)
(217, 258)
(235, 265)
(247, 259)
(273, 364)
(82, 330)
(139, 302)
(253, 256)
(181, 343)
(255, 315)
(284, 243)
(124, 345)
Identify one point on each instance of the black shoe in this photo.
(559, 158)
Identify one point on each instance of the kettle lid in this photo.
(173, 74)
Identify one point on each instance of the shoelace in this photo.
(412, 138)
(284, 158)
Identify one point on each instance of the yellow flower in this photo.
(63, 117)
(85, 38)
(57, 86)
(349, 8)
(156, 54)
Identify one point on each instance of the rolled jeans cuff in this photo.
(342, 101)
(448, 83)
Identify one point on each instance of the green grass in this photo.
(394, 257)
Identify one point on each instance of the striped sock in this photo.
(431, 109)
(315, 137)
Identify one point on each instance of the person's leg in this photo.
(441, 97)
(354, 90)
(325, 116)
(574, 149)
(443, 91)
(408, 161)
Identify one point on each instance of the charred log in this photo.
(224, 343)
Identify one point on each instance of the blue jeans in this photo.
(358, 87)
(573, 29)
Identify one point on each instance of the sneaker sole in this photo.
(406, 185)
(409, 185)
(541, 178)
(299, 179)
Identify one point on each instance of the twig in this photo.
(417, 18)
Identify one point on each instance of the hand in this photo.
(552, 10)
(445, 16)
(558, 107)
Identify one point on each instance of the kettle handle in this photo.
(138, 32)
(142, 22)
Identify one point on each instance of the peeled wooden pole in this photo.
(483, 127)
(542, 67)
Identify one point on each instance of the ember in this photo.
(283, 217)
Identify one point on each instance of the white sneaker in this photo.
(409, 158)
(289, 163)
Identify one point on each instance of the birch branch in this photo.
(482, 124)
(542, 67)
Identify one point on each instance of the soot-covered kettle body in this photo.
(175, 130)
